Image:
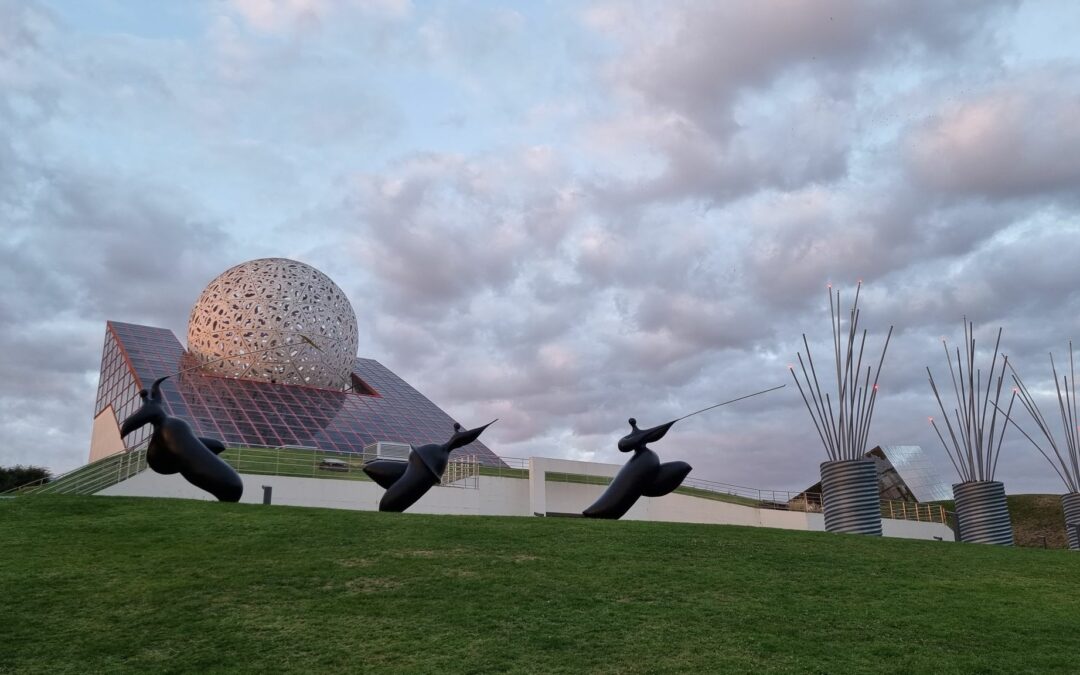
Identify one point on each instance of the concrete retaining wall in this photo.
(498, 496)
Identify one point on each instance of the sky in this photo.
(560, 214)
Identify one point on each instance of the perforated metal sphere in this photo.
(275, 319)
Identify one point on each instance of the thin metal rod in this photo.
(1009, 420)
(843, 426)
(827, 421)
(756, 393)
(1044, 426)
(812, 416)
(944, 445)
(948, 424)
(997, 452)
(873, 393)
(818, 403)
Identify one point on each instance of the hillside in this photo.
(93, 584)
(1038, 521)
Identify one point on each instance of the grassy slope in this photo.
(1038, 521)
(92, 584)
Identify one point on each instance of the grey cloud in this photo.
(729, 167)
(735, 98)
(696, 58)
(80, 246)
(1018, 138)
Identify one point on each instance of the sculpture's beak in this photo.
(469, 435)
(639, 438)
(658, 432)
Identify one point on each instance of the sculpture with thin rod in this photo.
(406, 482)
(1067, 465)
(644, 475)
(973, 447)
(844, 427)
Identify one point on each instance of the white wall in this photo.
(497, 496)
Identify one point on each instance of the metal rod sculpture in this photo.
(1067, 464)
(982, 512)
(406, 482)
(849, 484)
(644, 475)
(974, 449)
(843, 429)
(174, 448)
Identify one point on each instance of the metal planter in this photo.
(982, 514)
(1070, 503)
(850, 498)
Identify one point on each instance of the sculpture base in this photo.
(1070, 503)
(850, 497)
(982, 513)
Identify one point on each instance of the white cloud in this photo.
(558, 225)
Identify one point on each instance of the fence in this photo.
(461, 472)
(781, 500)
(93, 477)
(900, 510)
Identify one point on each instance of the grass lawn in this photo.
(92, 584)
(292, 462)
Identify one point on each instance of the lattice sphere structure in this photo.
(278, 320)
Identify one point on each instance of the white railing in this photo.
(91, 478)
(462, 472)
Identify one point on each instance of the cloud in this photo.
(1017, 138)
(733, 98)
(697, 59)
(635, 215)
(80, 246)
(275, 16)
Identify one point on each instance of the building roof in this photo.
(914, 469)
(904, 473)
(382, 407)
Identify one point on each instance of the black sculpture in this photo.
(643, 476)
(406, 482)
(174, 448)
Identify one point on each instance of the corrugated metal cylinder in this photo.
(982, 513)
(849, 494)
(1070, 503)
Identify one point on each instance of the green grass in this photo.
(1038, 521)
(291, 462)
(99, 584)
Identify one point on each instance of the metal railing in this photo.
(901, 510)
(461, 472)
(90, 478)
(290, 461)
(781, 500)
(297, 462)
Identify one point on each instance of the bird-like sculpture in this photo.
(643, 476)
(406, 482)
(174, 448)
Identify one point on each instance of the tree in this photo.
(14, 476)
